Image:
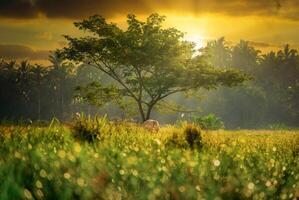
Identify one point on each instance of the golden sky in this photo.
(30, 28)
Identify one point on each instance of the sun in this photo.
(200, 42)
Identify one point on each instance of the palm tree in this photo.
(288, 66)
(38, 72)
(245, 56)
(60, 71)
(23, 79)
(287, 53)
(8, 87)
(9, 68)
(219, 53)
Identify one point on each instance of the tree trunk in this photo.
(39, 102)
(149, 111)
(141, 111)
(61, 99)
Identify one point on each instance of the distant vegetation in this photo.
(99, 159)
(208, 122)
(271, 98)
(36, 92)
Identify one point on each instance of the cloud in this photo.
(74, 9)
(260, 44)
(45, 36)
(16, 52)
(18, 9)
(267, 47)
(69, 8)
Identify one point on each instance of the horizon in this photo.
(30, 29)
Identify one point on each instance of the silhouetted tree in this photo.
(245, 56)
(60, 74)
(39, 72)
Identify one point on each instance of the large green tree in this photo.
(145, 61)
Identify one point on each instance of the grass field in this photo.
(124, 161)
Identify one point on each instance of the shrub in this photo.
(193, 136)
(90, 129)
(176, 140)
(188, 136)
(208, 122)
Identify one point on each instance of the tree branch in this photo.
(113, 75)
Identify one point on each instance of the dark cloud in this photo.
(69, 8)
(83, 8)
(18, 9)
(260, 44)
(263, 46)
(16, 52)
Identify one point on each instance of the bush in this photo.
(188, 136)
(278, 126)
(176, 140)
(90, 129)
(193, 136)
(208, 122)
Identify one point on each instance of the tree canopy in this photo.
(146, 62)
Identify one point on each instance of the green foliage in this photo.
(97, 94)
(131, 163)
(209, 122)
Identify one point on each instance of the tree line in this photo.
(37, 92)
(272, 97)
(41, 92)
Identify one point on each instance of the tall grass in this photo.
(128, 162)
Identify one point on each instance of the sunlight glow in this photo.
(199, 41)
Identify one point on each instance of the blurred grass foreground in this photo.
(95, 158)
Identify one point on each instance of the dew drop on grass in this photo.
(182, 189)
(250, 186)
(121, 172)
(268, 183)
(39, 184)
(66, 175)
(43, 173)
(27, 194)
(216, 163)
(80, 182)
(39, 193)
